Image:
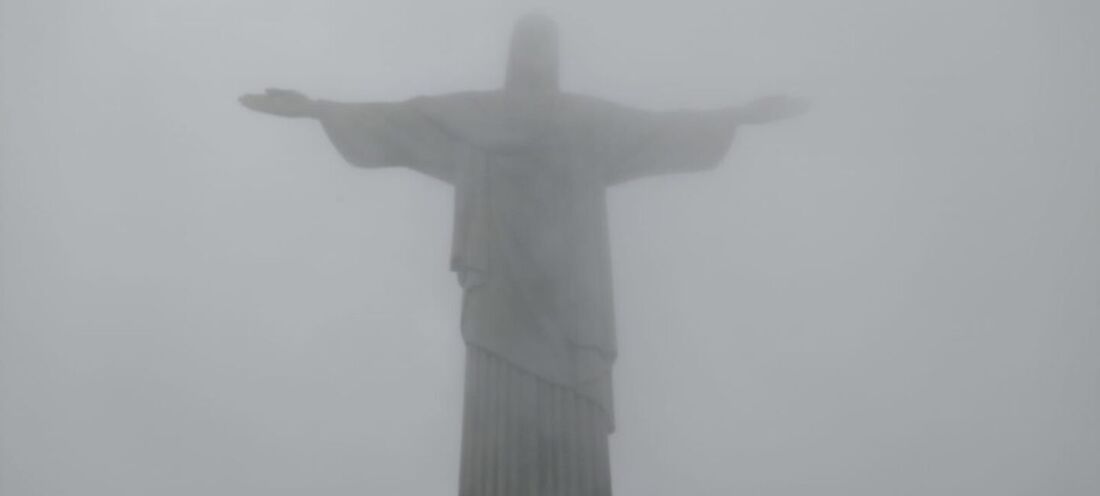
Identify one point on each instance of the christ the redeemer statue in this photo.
(531, 166)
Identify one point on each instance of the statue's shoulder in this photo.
(453, 107)
(596, 106)
(596, 111)
(458, 98)
(581, 99)
(488, 100)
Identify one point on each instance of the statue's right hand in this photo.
(284, 103)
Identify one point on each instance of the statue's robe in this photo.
(531, 251)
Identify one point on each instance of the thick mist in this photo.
(893, 294)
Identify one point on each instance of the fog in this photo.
(893, 294)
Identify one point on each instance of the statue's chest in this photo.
(545, 181)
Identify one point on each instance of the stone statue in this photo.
(531, 165)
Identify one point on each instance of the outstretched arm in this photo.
(372, 134)
(636, 143)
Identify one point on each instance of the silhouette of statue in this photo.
(531, 165)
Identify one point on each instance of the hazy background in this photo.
(897, 294)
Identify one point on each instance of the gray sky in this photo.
(896, 294)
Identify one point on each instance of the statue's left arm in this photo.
(635, 143)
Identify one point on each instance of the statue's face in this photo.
(533, 62)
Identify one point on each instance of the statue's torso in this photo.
(546, 303)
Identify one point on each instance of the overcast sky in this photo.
(898, 293)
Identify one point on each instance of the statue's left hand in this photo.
(772, 108)
(284, 103)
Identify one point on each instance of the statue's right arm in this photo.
(371, 134)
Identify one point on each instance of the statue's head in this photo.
(533, 60)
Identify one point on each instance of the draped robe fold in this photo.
(531, 252)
